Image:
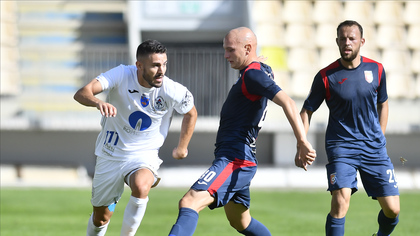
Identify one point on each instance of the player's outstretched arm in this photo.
(306, 154)
(187, 130)
(86, 96)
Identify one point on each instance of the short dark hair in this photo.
(148, 47)
(350, 23)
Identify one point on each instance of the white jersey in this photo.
(143, 114)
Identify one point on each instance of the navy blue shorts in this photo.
(227, 180)
(377, 175)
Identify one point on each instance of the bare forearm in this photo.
(295, 121)
(187, 128)
(305, 154)
(306, 115)
(291, 112)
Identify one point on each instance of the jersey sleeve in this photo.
(257, 82)
(186, 103)
(316, 95)
(382, 92)
(183, 98)
(111, 78)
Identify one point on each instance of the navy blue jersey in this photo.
(244, 110)
(351, 96)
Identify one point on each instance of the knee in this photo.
(100, 220)
(196, 200)
(392, 213)
(390, 206)
(234, 225)
(184, 202)
(141, 191)
(237, 225)
(343, 201)
(340, 203)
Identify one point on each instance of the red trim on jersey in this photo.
(229, 169)
(380, 67)
(325, 78)
(252, 97)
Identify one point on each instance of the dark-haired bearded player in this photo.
(127, 148)
(354, 88)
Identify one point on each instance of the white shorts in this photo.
(110, 175)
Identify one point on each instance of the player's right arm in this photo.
(86, 96)
(306, 116)
(187, 129)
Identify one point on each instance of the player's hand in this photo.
(262, 58)
(305, 155)
(298, 161)
(107, 109)
(179, 153)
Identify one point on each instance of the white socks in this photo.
(133, 215)
(93, 230)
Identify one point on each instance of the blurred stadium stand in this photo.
(51, 48)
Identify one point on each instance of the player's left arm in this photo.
(187, 130)
(306, 150)
(383, 110)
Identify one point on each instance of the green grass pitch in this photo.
(60, 212)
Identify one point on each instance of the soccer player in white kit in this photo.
(136, 118)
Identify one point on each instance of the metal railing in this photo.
(203, 70)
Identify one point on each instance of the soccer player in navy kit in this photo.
(354, 88)
(226, 183)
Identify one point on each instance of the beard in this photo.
(149, 79)
(349, 57)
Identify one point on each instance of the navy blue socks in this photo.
(186, 223)
(386, 225)
(255, 228)
(334, 226)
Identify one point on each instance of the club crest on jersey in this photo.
(368, 76)
(144, 100)
(333, 178)
(160, 104)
